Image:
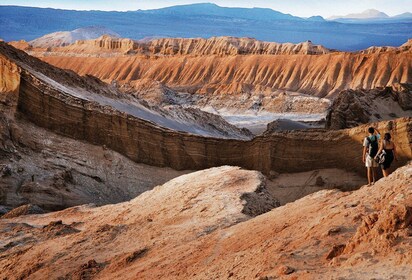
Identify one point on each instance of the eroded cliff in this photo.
(318, 75)
(180, 46)
(63, 111)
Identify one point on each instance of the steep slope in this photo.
(54, 172)
(319, 75)
(199, 226)
(90, 89)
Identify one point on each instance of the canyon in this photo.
(129, 159)
(249, 83)
(43, 100)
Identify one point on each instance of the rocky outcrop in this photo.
(103, 43)
(407, 47)
(28, 209)
(317, 75)
(221, 46)
(21, 45)
(196, 227)
(55, 172)
(354, 107)
(285, 124)
(403, 95)
(43, 103)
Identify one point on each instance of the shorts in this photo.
(370, 162)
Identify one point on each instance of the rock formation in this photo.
(200, 226)
(235, 66)
(220, 46)
(284, 124)
(242, 74)
(404, 48)
(97, 121)
(352, 108)
(54, 172)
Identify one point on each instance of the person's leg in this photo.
(369, 172)
(373, 175)
(384, 172)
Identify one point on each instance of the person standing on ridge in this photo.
(390, 153)
(370, 150)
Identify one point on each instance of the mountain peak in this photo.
(367, 14)
(373, 13)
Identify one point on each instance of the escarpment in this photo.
(103, 43)
(184, 46)
(44, 102)
(318, 75)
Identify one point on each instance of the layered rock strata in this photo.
(147, 142)
(319, 75)
(220, 46)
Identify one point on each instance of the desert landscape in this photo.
(217, 157)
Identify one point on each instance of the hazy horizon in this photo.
(302, 8)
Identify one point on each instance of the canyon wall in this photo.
(318, 75)
(150, 144)
(45, 104)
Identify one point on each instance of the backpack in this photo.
(373, 146)
(381, 157)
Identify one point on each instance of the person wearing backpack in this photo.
(370, 150)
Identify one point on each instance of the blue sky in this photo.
(302, 8)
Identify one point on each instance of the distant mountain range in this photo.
(209, 9)
(370, 16)
(208, 20)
